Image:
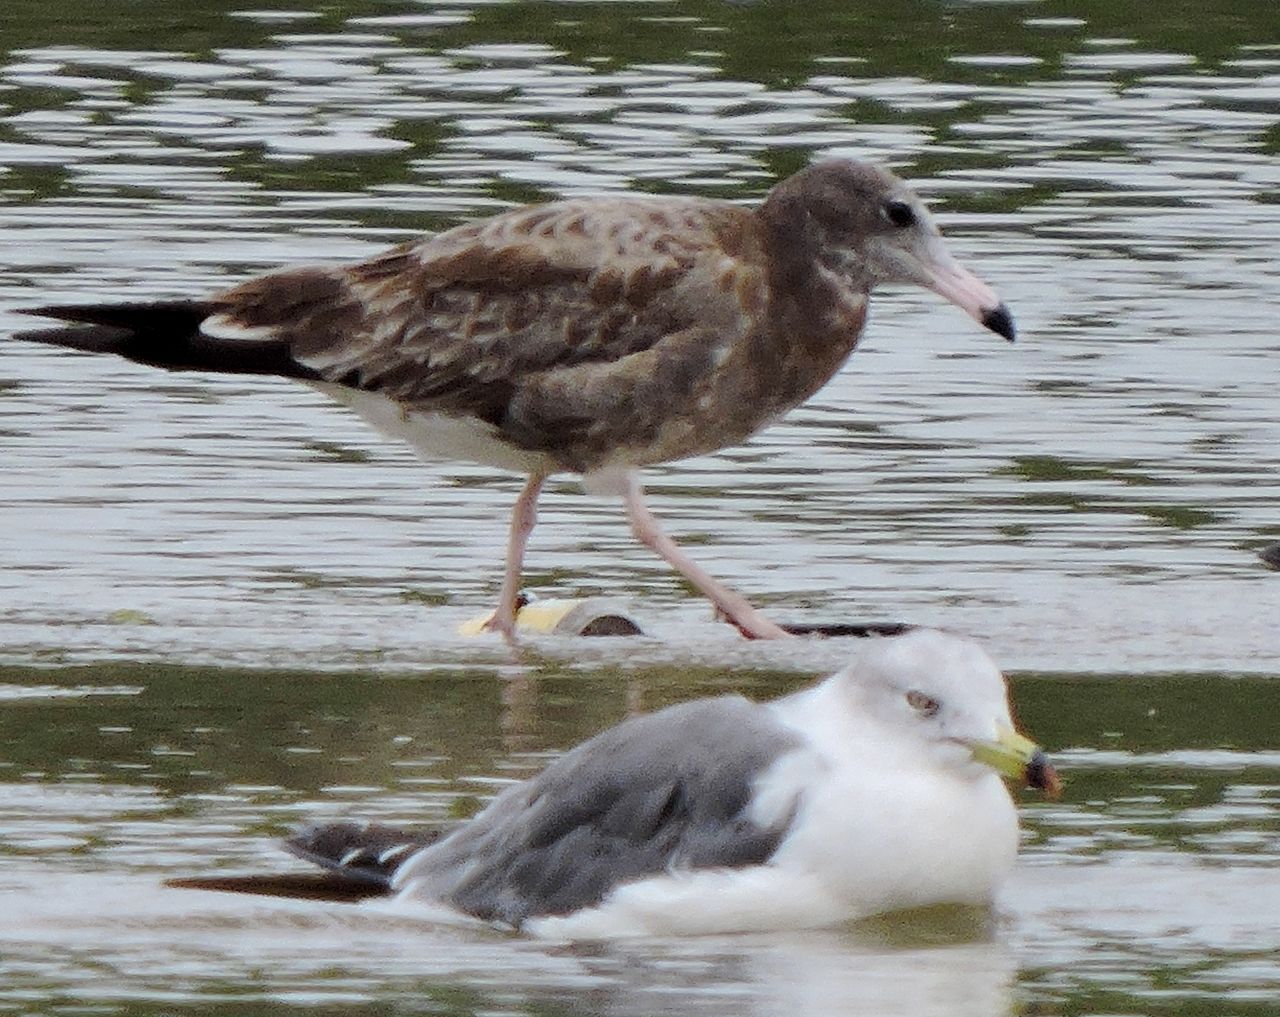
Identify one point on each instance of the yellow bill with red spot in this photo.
(1019, 758)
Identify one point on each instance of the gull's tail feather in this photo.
(360, 858)
(321, 886)
(163, 333)
(370, 852)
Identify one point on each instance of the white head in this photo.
(940, 695)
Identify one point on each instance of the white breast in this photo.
(885, 833)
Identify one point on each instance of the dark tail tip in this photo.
(322, 886)
(368, 852)
(162, 333)
(360, 860)
(138, 331)
(152, 315)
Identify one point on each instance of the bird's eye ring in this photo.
(925, 704)
(899, 213)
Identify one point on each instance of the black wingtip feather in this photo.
(85, 338)
(359, 859)
(125, 329)
(162, 333)
(369, 852)
(153, 315)
(325, 886)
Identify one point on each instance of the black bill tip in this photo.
(1000, 321)
(1042, 775)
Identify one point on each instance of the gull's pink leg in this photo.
(750, 622)
(523, 516)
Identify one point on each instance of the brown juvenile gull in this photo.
(593, 336)
(875, 790)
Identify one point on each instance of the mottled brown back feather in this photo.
(485, 319)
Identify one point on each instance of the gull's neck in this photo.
(832, 720)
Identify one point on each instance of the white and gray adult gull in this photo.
(877, 789)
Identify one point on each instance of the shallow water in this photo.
(227, 607)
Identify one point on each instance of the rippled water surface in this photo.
(226, 606)
(1148, 889)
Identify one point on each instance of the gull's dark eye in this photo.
(899, 213)
(925, 704)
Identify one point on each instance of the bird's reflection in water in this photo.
(941, 962)
(938, 962)
(521, 694)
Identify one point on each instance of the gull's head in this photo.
(940, 696)
(864, 224)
